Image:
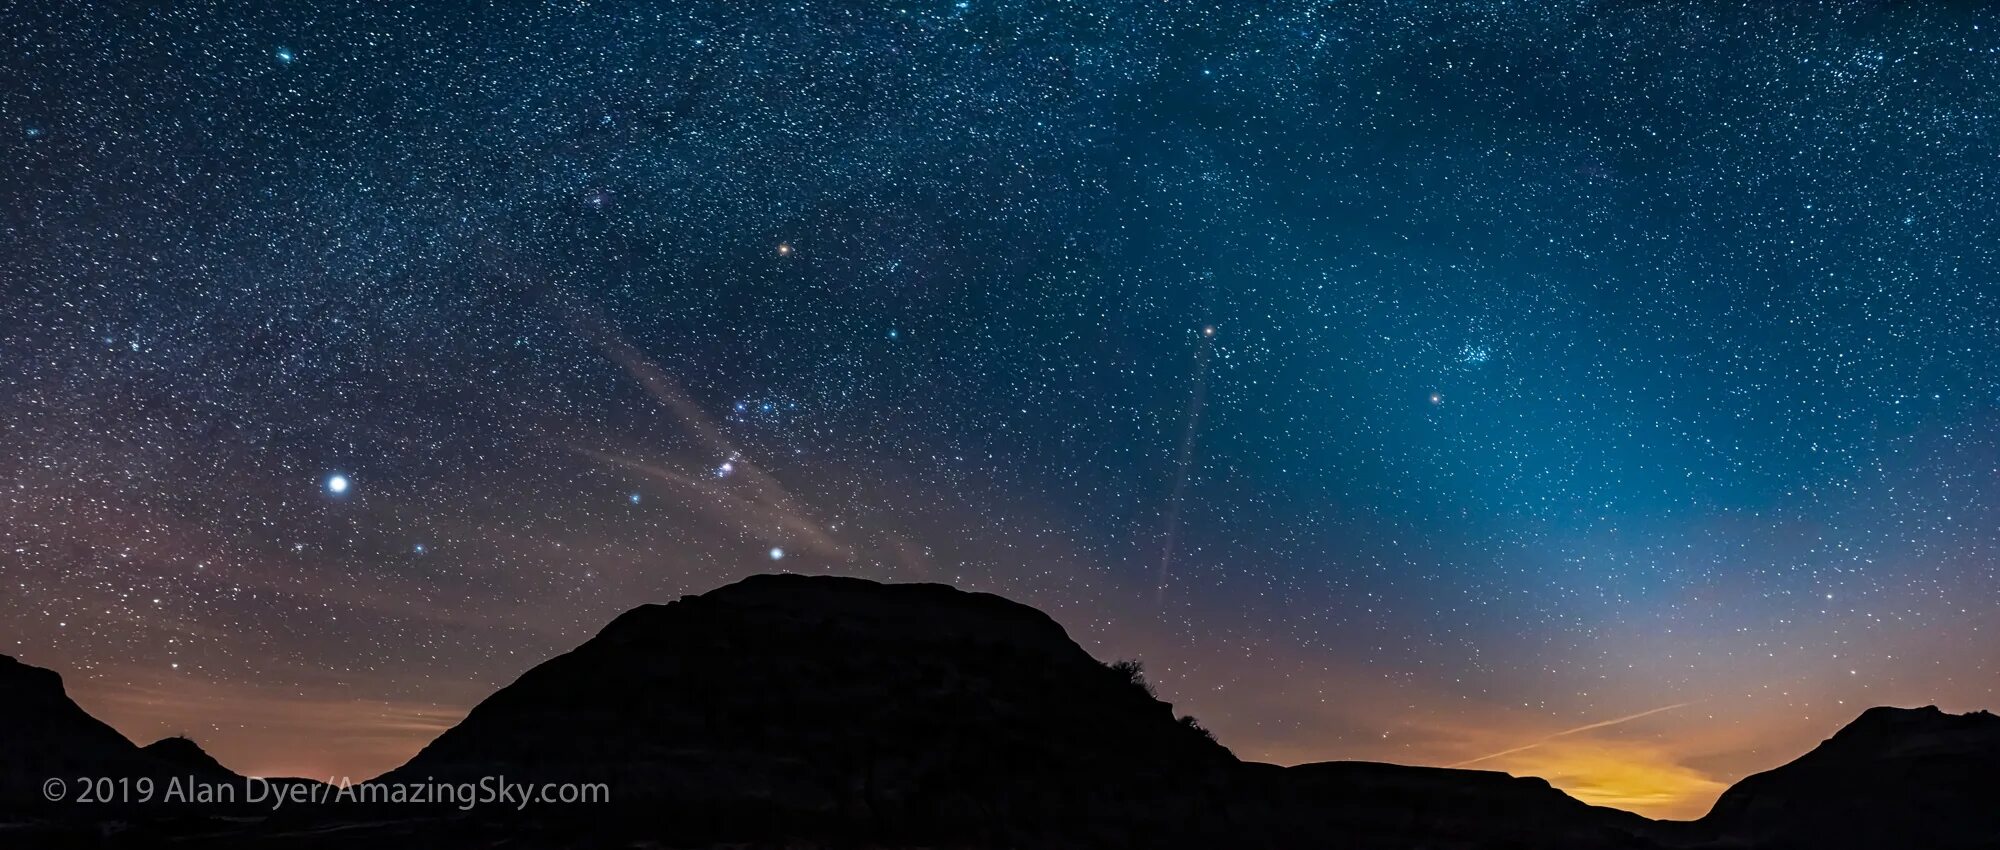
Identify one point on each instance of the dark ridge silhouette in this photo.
(821, 712)
(44, 734)
(795, 705)
(1895, 777)
(789, 706)
(1369, 804)
(185, 757)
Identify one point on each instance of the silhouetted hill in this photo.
(826, 706)
(185, 757)
(44, 734)
(818, 712)
(1374, 805)
(1895, 777)
(837, 708)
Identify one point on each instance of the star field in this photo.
(1401, 381)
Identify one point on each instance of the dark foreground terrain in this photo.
(812, 711)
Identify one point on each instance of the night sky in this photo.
(1606, 390)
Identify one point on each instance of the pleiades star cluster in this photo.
(1607, 390)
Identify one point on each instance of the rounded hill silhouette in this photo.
(818, 712)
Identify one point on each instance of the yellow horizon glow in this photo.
(1641, 778)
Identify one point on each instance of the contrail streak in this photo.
(1197, 402)
(1585, 728)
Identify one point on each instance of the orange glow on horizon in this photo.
(1642, 778)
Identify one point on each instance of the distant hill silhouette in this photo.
(1895, 777)
(44, 734)
(813, 711)
(788, 704)
(1367, 804)
(185, 757)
